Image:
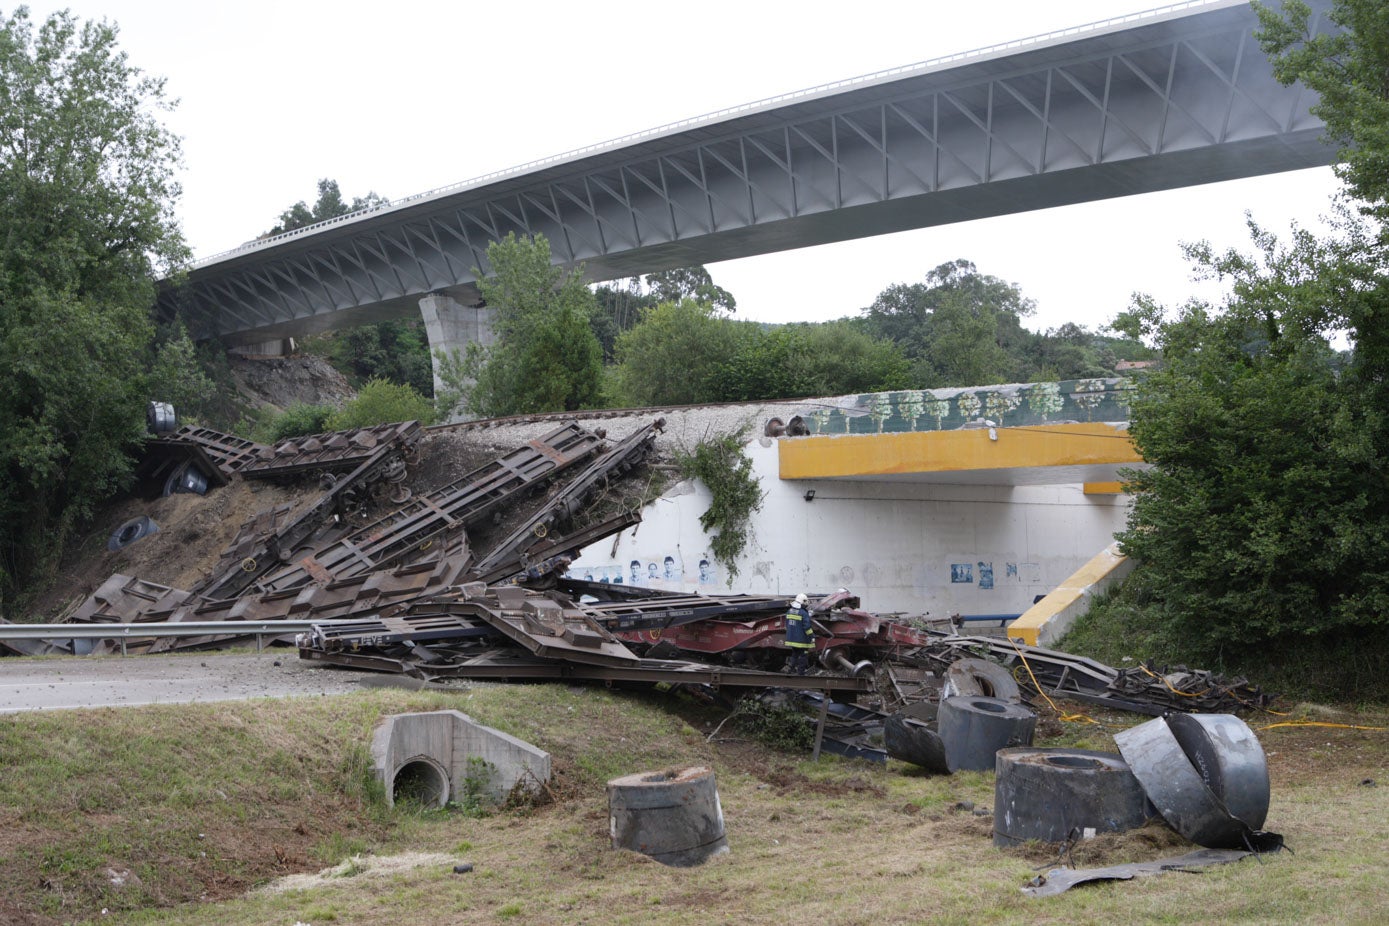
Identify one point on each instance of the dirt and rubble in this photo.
(276, 383)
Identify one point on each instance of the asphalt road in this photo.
(57, 683)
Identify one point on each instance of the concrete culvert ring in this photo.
(420, 782)
(673, 816)
(1053, 795)
(974, 729)
(131, 531)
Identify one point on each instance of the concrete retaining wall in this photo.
(902, 546)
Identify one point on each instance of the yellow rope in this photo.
(1317, 723)
(1168, 685)
(1065, 718)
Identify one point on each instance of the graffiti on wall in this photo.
(1013, 574)
(663, 570)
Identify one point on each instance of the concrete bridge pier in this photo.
(451, 326)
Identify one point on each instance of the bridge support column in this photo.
(452, 326)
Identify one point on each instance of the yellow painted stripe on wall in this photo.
(830, 456)
(1068, 595)
(1026, 631)
(1104, 488)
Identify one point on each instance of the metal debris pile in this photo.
(408, 592)
(316, 564)
(1143, 689)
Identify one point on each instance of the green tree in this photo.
(963, 346)
(673, 356)
(87, 191)
(329, 205)
(1263, 519)
(177, 376)
(546, 357)
(1262, 528)
(394, 350)
(621, 304)
(796, 361)
(1347, 69)
(960, 327)
(689, 283)
(298, 420)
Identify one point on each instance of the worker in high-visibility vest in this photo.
(800, 636)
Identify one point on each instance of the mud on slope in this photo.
(279, 382)
(193, 531)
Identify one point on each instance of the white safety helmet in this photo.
(800, 599)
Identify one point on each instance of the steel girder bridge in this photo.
(1175, 97)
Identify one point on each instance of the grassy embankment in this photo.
(208, 805)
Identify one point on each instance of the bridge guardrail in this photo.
(137, 631)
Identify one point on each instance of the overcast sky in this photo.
(406, 96)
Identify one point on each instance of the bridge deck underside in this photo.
(1178, 102)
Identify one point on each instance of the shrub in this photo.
(296, 421)
(382, 402)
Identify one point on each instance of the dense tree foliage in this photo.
(963, 328)
(672, 356)
(959, 327)
(722, 360)
(329, 205)
(299, 419)
(621, 304)
(1257, 521)
(1347, 69)
(397, 351)
(86, 219)
(1262, 529)
(546, 356)
(177, 375)
(796, 361)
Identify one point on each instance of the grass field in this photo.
(264, 813)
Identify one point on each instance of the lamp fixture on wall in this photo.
(810, 495)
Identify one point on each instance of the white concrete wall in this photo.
(908, 547)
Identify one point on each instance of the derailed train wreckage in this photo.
(426, 590)
(409, 593)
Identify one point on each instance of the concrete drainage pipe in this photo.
(421, 782)
(974, 729)
(672, 816)
(1052, 795)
